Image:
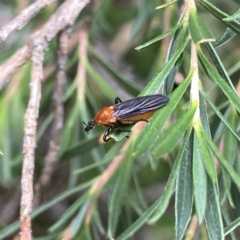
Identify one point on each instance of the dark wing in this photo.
(140, 105)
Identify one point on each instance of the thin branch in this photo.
(22, 19)
(64, 16)
(29, 144)
(9, 68)
(51, 157)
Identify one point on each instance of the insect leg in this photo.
(117, 100)
(105, 139)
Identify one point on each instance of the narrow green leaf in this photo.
(122, 81)
(78, 220)
(107, 158)
(135, 206)
(204, 115)
(10, 229)
(155, 84)
(220, 15)
(233, 69)
(102, 84)
(139, 193)
(177, 40)
(138, 223)
(214, 75)
(232, 226)
(165, 198)
(119, 192)
(223, 119)
(227, 220)
(207, 157)
(81, 147)
(199, 32)
(170, 137)
(230, 170)
(151, 131)
(184, 191)
(213, 216)
(45, 124)
(160, 37)
(219, 65)
(234, 16)
(199, 181)
(162, 203)
(227, 36)
(229, 152)
(98, 221)
(68, 214)
(48, 237)
(166, 4)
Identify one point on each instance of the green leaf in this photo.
(230, 170)
(207, 157)
(45, 124)
(83, 146)
(232, 226)
(123, 82)
(234, 68)
(98, 221)
(204, 115)
(214, 75)
(229, 152)
(227, 36)
(48, 237)
(199, 180)
(78, 220)
(102, 84)
(234, 16)
(223, 119)
(184, 191)
(138, 223)
(170, 137)
(213, 216)
(160, 37)
(68, 214)
(155, 84)
(151, 131)
(165, 198)
(219, 65)
(119, 192)
(176, 41)
(234, 25)
(227, 220)
(107, 158)
(199, 32)
(166, 5)
(162, 203)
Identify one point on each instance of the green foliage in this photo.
(105, 190)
